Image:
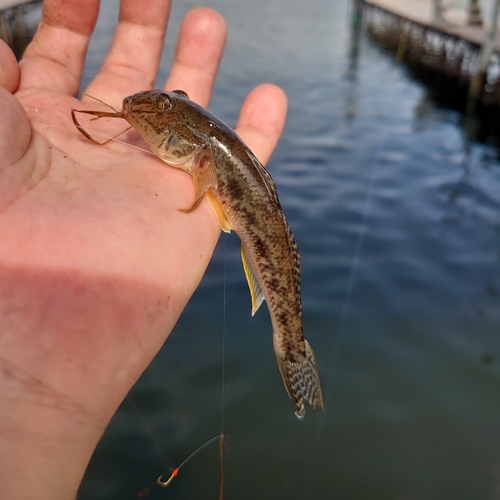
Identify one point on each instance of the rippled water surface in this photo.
(397, 216)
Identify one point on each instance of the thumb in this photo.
(9, 69)
(15, 130)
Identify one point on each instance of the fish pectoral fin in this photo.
(204, 175)
(221, 216)
(253, 282)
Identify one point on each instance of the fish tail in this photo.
(301, 379)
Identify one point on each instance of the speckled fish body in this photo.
(244, 197)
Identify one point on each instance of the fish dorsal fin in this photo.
(253, 283)
(265, 176)
(204, 174)
(181, 93)
(221, 216)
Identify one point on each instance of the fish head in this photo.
(166, 121)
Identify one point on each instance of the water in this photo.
(396, 212)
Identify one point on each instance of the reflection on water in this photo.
(396, 212)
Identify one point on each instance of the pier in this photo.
(459, 41)
(18, 23)
(452, 21)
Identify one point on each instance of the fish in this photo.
(244, 197)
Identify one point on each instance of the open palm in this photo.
(96, 260)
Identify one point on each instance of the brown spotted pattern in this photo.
(175, 127)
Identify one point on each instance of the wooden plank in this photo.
(419, 11)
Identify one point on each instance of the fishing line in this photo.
(223, 375)
(341, 331)
(94, 131)
(351, 282)
(119, 141)
(223, 370)
(174, 472)
(352, 277)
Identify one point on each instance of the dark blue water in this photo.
(397, 214)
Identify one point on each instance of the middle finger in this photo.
(134, 57)
(199, 51)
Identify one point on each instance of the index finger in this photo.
(55, 58)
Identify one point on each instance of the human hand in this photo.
(96, 260)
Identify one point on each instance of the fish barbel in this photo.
(245, 199)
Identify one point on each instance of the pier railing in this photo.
(471, 9)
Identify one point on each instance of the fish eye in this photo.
(161, 102)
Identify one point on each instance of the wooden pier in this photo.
(7, 4)
(446, 43)
(18, 22)
(454, 20)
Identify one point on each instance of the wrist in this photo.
(70, 349)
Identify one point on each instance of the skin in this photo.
(96, 261)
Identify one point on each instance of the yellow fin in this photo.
(221, 216)
(204, 177)
(253, 283)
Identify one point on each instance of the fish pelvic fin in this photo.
(301, 379)
(204, 175)
(253, 282)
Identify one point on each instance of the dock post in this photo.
(357, 13)
(479, 79)
(438, 12)
(475, 17)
